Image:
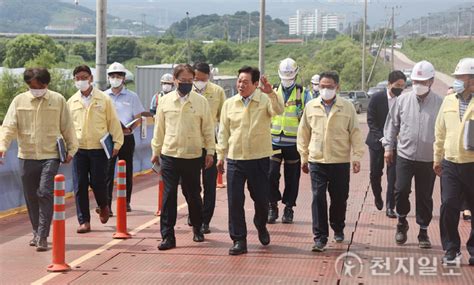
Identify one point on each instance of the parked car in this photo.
(373, 90)
(360, 99)
(382, 84)
(407, 73)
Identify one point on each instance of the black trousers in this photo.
(255, 173)
(91, 168)
(188, 170)
(125, 153)
(456, 180)
(332, 178)
(376, 171)
(424, 184)
(292, 172)
(209, 181)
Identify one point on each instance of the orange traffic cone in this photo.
(59, 227)
(161, 188)
(121, 202)
(220, 182)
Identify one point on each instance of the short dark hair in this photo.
(202, 67)
(396, 75)
(253, 71)
(82, 68)
(331, 75)
(39, 73)
(181, 68)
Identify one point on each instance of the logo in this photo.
(348, 264)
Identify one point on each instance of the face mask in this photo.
(200, 85)
(38, 92)
(458, 86)
(315, 88)
(287, 83)
(166, 88)
(82, 85)
(420, 89)
(396, 91)
(185, 88)
(327, 94)
(115, 82)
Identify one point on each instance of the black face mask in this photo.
(396, 91)
(185, 88)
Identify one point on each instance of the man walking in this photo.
(245, 139)
(410, 126)
(328, 133)
(128, 107)
(36, 118)
(454, 160)
(284, 129)
(94, 117)
(377, 112)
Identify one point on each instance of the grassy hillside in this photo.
(443, 53)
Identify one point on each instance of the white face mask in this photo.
(38, 92)
(327, 94)
(420, 89)
(166, 88)
(315, 88)
(287, 82)
(82, 85)
(200, 85)
(115, 82)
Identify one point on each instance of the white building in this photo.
(314, 22)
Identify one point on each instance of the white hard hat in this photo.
(288, 69)
(465, 66)
(166, 78)
(116, 68)
(315, 79)
(422, 70)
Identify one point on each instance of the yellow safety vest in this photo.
(288, 121)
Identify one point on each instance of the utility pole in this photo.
(392, 57)
(188, 43)
(470, 23)
(101, 44)
(428, 26)
(241, 34)
(248, 34)
(363, 45)
(261, 41)
(458, 23)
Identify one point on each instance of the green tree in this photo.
(43, 59)
(3, 50)
(120, 49)
(10, 86)
(218, 52)
(84, 49)
(27, 47)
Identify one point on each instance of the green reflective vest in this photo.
(288, 121)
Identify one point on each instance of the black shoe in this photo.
(167, 243)
(42, 244)
(239, 247)
(263, 236)
(33, 241)
(198, 235)
(287, 216)
(423, 239)
(189, 221)
(272, 213)
(378, 202)
(471, 261)
(129, 209)
(205, 229)
(339, 237)
(402, 229)
(391, 213)
(452, 257)
(318, 246)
